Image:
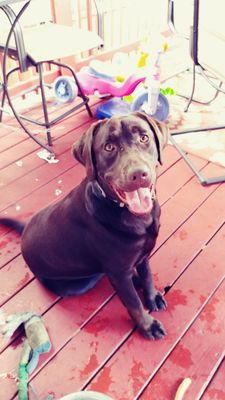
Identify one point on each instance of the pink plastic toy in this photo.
(91, 84)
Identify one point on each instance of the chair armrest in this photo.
(17, 40)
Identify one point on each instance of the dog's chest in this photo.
(143, 246)
(146, 244)
(130, 250)
(119, 237)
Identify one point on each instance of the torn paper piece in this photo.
(47, 156)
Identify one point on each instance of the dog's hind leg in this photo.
(71, 286)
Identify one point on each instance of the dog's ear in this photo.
(160, 130)
(82, 149)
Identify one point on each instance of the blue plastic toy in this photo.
(117, 106)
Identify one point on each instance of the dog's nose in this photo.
(140, 176)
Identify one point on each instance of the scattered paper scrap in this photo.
(19, 163)
(9, 375)
(47, 156)
(58, 192)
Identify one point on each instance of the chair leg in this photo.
(205, 103)
(218, 88)
(193, 89)
(2, 102)
(82, 95)
(202, 179)
(18, 117)
(44, 104)
(5, 90)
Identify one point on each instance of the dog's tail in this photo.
(18, 226)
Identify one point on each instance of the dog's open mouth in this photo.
(139, 201)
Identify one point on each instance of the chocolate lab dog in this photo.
(109, 223)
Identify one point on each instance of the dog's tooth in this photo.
(102, 191)
(153, 194)
(121, 204)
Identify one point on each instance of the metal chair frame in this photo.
(24, 62)
(196, 65)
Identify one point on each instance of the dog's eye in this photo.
(144, 138)
(110, 147)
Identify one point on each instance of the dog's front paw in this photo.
(154, 331)
(156, 302)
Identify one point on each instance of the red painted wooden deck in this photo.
(94, 343)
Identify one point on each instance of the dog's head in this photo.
(122, 154)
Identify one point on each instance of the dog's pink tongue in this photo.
(139, 201)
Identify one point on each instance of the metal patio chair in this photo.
(202, 34)
(47, 44)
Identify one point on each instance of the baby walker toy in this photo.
(99, 80)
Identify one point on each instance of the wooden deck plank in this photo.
(15, 136)
(28, 146)
(8, 172)
(9, 247)
(33, 180)
(37, 168)
(188, 240)
(170, 158)
(12, 155)
(185, 203)
(10, 125)
(130, 368)
(215, 390)
(30, 162)
(193, 357)
(26, 207)
(12, 133)
(177, 180)
(21, 276)
(6, 129)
